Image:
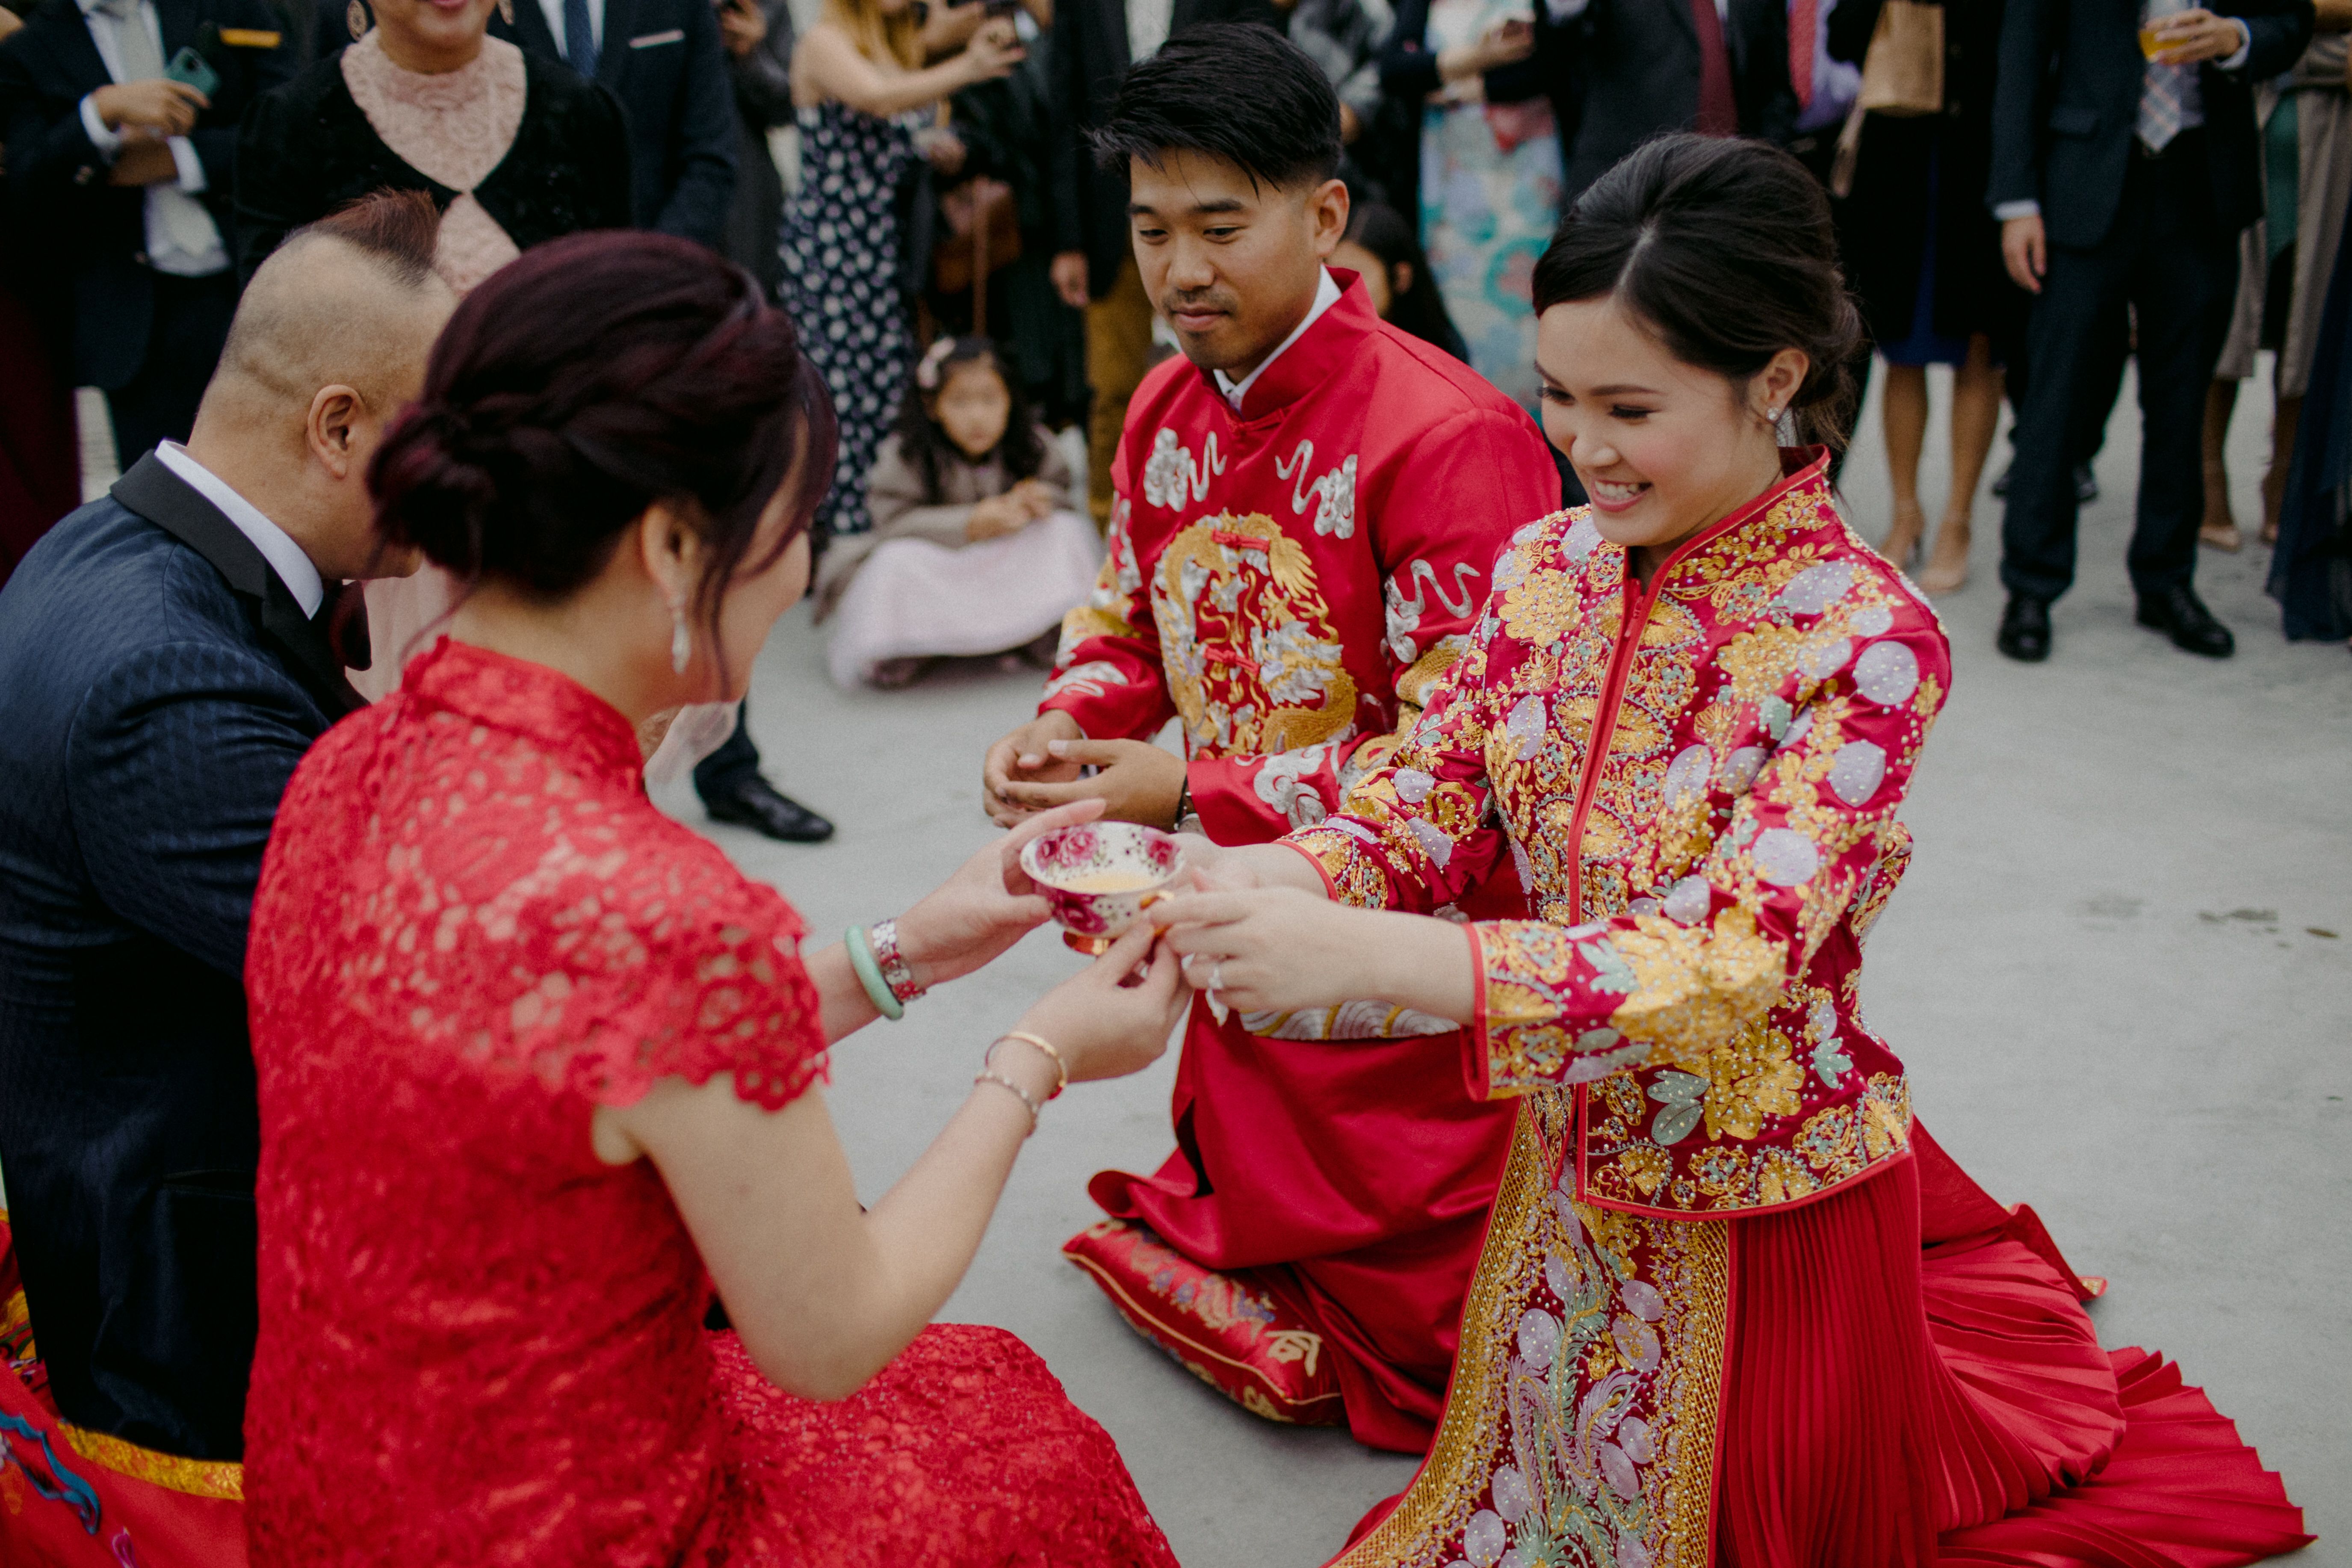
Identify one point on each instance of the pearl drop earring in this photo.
(682, 640)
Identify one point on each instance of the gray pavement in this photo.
(2120, 971)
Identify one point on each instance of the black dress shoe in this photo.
(2025, 629)
(758, 805)
(2179, 615)
(2086, 484)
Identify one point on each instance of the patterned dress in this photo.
(841, 252)
(1490, 190)
(1734, 1306)
(481, 1344)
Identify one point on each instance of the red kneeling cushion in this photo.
(1228, 1330)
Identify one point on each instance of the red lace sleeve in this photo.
(722, 989)
(536, 911)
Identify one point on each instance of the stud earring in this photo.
(682, 640)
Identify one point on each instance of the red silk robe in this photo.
(1733, 1304)
(1289, 582)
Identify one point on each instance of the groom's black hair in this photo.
(1236, 90)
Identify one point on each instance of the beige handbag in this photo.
(1903, 74)
(1904, 71)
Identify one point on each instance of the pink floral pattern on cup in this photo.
(1100, 876)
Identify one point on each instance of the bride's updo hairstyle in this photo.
(584, 382)
(1724, 250)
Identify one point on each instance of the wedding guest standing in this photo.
(664, 62)
(512, 150)
(1008, 128)
(634, 1122)
(1488, 154)
(974, 549)
(1924, 257)
(124, 163)
(2311, 573)
(2119, 175)
(1734, 1306)
(164, 662)
(1721, 67)
(758, 34)
(2284, 262)
(1306, 503)
(862, 90)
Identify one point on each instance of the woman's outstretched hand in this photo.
(1114, 1017)
(1280, 949)
(985, 907)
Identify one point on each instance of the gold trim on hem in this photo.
(218, 1479)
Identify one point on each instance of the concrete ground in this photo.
(2120, 972)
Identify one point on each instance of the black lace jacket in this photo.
(306, 148)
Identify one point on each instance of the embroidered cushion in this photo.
(1230, 1330)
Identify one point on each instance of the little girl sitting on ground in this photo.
(974, 548)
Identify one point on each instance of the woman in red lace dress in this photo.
(539, 1068)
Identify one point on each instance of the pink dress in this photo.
(479, 1343)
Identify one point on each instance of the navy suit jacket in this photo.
(664, 60)
(57, 183)
(158, 684)
(2067, 107)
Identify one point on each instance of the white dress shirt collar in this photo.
(276, 547)
(1327, 294)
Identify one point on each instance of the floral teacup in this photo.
(1099, 878)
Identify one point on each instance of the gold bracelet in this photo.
(1061, 1068)
(999, 1079)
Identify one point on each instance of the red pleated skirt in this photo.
(1912, 1380)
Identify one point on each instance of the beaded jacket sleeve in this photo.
(1289, 578)
(1697, 783)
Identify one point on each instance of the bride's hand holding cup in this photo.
(1269, 949)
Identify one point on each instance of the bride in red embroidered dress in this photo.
(539, 1068)
(1735, 1308)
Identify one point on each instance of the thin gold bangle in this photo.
(1000, 1080)
(1061, 1068)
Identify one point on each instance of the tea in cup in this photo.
(1100, 876)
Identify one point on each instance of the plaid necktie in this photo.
(2162, 88)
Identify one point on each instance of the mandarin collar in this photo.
(566, 718)
(1804, 471)
(1322, 352)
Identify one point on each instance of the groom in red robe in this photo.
(1307, 506)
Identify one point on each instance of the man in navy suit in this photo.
(2122, 176)
(128, 172)
(664, 60)
(166, 661)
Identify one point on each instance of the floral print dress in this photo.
(842, 249)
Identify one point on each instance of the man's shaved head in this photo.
(351, 300)
(330, 341)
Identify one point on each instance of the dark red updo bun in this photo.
(581, 382)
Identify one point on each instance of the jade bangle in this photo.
(869, 973)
